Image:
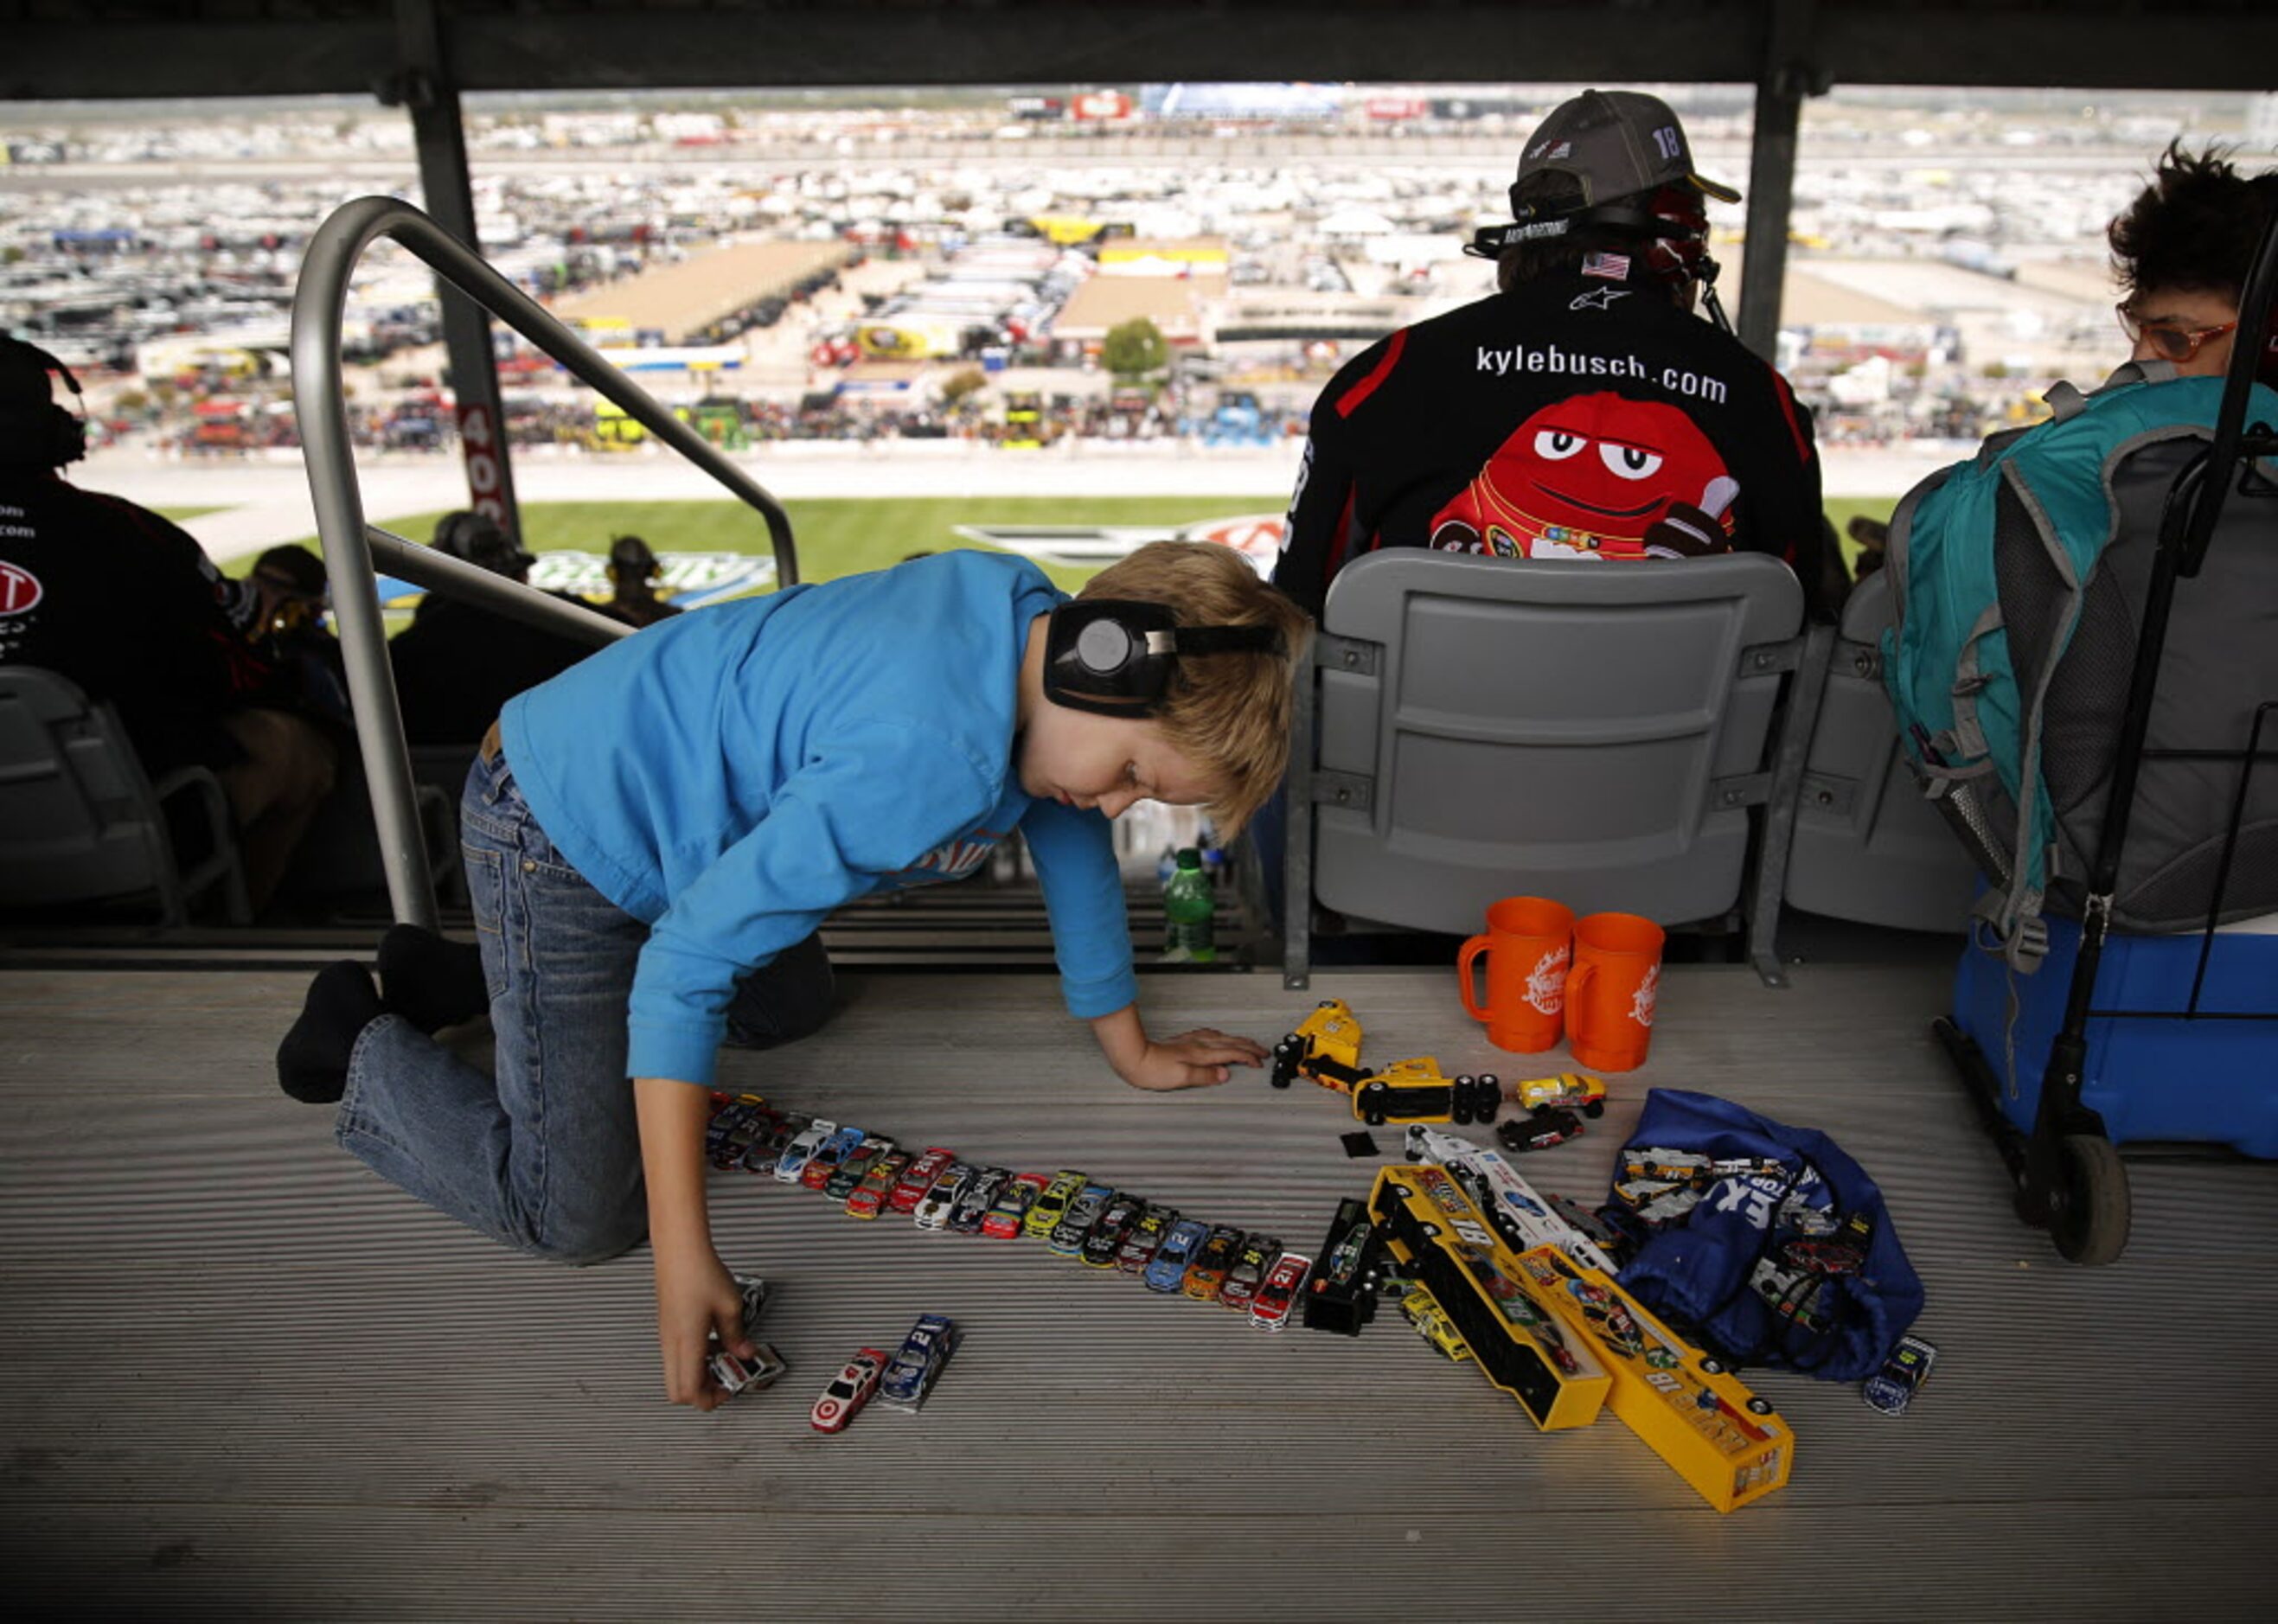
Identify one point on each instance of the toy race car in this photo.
(971, 1208)
(734, 1373)
(1251, 1264)
(849, 1391)
(1052, 1205)
(1010, 1210)
(1205, 1276)
(918, 1178)
(1325, 1047)
(1269, 1310)
(1167, 1271)
(1541, 1131)
(1138, 1249)
(1105, 1237)
(867, 1199)
(733, 1125)
(1422, 1310)
(1414, 1091)
(791, 1165)
(767, 1146)
(1066, 1238)
(1570, 1091)
(925, 1351)
(828, 1155)
(1893, 1387)
(932, 1212)
(852, 1171)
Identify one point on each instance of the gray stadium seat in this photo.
(80, 823)
(1592, 733)
(1868, 847)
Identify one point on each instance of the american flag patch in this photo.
(1612, 267)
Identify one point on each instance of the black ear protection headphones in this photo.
(1676, 236)
(65, 431)
(1116, 656)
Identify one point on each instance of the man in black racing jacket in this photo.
(1580, 412)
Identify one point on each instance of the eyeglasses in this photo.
(2175, 344)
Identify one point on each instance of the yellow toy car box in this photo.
(1515, 1336)
(1721, 1438)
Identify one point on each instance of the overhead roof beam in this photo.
(1712, 42)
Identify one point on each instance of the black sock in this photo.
(432, 981)
(312, 1062)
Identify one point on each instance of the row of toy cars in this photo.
(1099, 1226)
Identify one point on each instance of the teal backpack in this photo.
(2018, 584)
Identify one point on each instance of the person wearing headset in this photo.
(1583, 411)
(652, 827)
(126, 605)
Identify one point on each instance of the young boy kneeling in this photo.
(645, 834)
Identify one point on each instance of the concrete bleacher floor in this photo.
(246, 1379)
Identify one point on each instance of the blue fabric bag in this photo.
(1697, 1274)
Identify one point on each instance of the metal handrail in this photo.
(320, 407)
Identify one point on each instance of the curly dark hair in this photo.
(2194, 228)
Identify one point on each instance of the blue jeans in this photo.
(545, 1156)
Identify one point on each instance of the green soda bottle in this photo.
(1188, 937)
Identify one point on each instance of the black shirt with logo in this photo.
(1578, 417)
(126, 606)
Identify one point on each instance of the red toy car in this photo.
(1269, 1310)
(848, 1392)
(918, 1178)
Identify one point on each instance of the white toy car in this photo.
(793, 1160)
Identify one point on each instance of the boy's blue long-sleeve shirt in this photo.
(731, 776)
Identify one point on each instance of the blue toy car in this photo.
(925, 1351)
(1167, 1270)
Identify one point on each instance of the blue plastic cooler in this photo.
(2207, 1081)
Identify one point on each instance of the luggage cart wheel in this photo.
(2088, 1208)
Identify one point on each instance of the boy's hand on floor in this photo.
(1196, 1059)
(695, 1296)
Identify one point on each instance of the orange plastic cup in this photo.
(1611, 991)
(1529, 942)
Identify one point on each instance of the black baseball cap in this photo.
(1615, 144)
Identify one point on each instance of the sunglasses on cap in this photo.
(2173, 343)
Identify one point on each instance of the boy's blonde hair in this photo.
(1227, 713)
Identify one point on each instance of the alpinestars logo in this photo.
(1597, 299)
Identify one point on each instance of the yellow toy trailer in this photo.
(1414, 1091)
(1325, 1047)
(1726, 1442)
(1438, 1237)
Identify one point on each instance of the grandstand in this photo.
(244, 1379)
